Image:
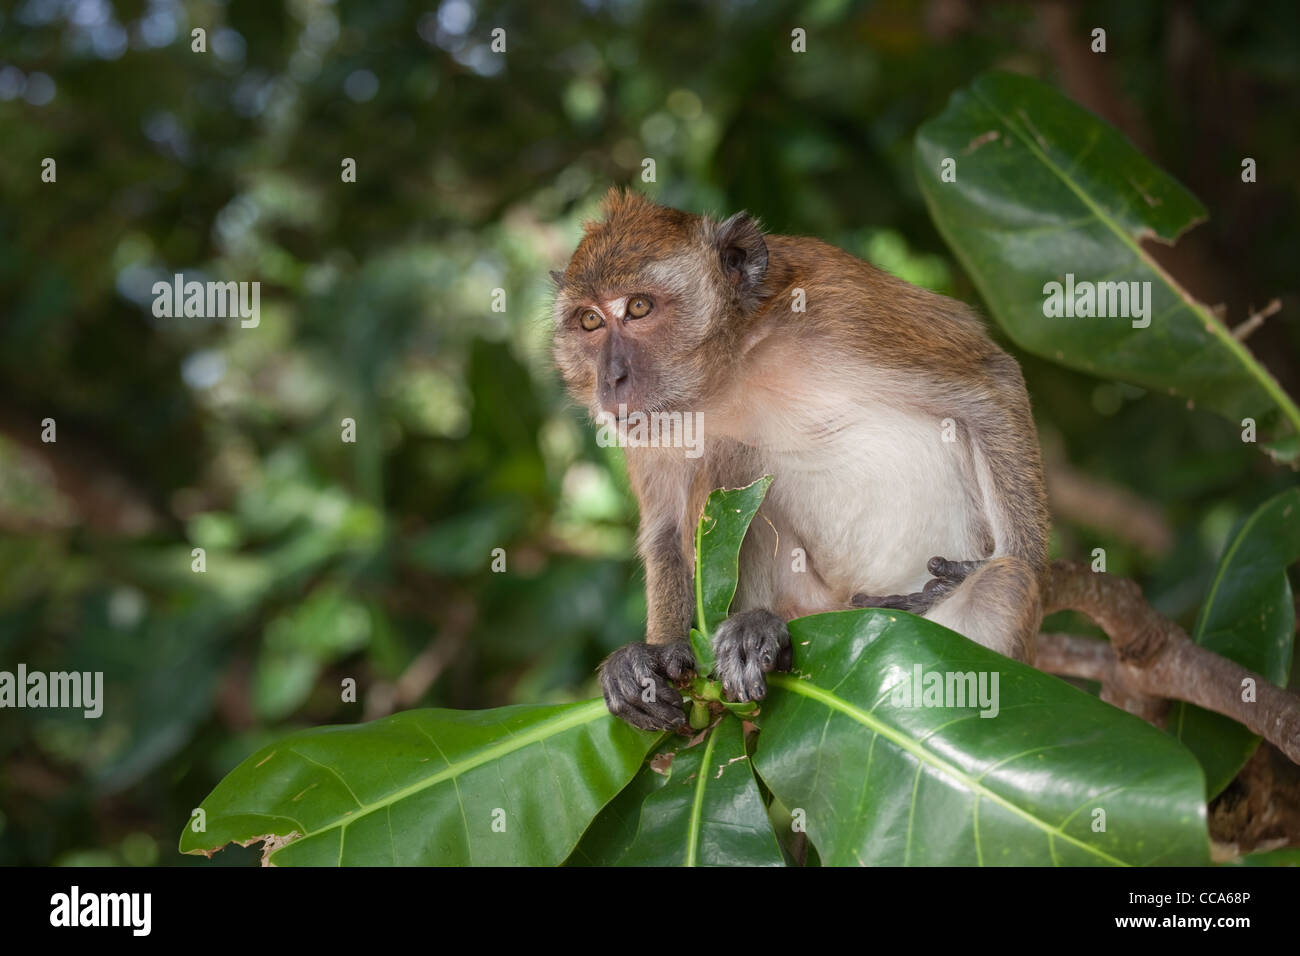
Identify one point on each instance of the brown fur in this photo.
(814, 393)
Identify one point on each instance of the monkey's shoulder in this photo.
(813, 283)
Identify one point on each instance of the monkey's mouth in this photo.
(619, 414)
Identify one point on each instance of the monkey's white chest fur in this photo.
(871, 491)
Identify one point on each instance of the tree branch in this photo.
(1151, 660)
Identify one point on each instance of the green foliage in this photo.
(896, 741)
(511, 786)
(708, 812)
(1043, 189)
(718, 535)
(1044, 776)
(1248, 617)
(1042, 183)
(474, 175)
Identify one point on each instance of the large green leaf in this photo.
(1043, 189)
(709, 811)
(718, 535)
(885, 783)
(515, 785)
(614, 829)
(1249, 617)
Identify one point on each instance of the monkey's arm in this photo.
(637, 679)
(670, 601)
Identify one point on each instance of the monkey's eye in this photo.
(591, 320)
(639, 306)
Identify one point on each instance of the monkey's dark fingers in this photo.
(747, 646)
(636, 689)
(649, 704)
(676, 660)
(935, 590)
(952, 571)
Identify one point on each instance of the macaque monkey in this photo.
(893, 426)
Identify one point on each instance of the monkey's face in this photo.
(612, 352)
(646, 312)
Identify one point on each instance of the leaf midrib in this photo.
(696, 822)
(925, 756)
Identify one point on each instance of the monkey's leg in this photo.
(947, 576)
(918, 602)
(746, 646)
(636, 681)
(999, 605)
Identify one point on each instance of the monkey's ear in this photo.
(743, 251)
(558, 279)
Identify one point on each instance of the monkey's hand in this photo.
(745, 647)
(636, 682)
(947, 576)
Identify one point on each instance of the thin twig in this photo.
(1256, 319)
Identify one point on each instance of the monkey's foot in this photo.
(636, 678)
(747, 646)
(947, 576)
(952, 572)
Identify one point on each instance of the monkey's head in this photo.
(650, 311)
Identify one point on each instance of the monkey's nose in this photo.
(616, 375)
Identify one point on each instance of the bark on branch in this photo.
(1150, 660)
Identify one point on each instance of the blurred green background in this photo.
(371, 560)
